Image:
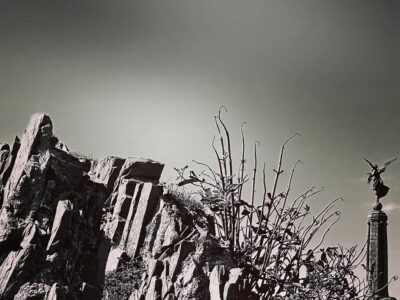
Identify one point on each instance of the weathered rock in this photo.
(155, 267)
(16, 268)
(141, 169)
(171, 234)
(136, 296)
(115, 258)
(31, 291)
(29, 235)
(27, 180)
(36, 139)
(4, 154)
(113, 229)
(56, 293)
(142, 209)
(87, 291)
(154, 290)
(61, 226)
(4, 146)
(106, 172)
(57, 249)
(190, 273)
(176, 260)
(196, 289)
(167, 285)
(6, 165)
(153, 231)
(68, 171)
(103, 252)
(232, 287)
(218, 277)
(61, 146)
(165, 219)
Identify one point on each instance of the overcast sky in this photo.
(144, 78)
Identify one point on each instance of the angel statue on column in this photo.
(374, 177)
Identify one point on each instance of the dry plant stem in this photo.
(227, 212)
(230, 178)
(278, 171)
(284, 204)
(253, 190)
(222, 176)
(241, 183)
(214, 178)
(261, 217)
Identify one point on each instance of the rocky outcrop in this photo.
(68, 223)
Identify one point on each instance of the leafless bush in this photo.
(276, 239)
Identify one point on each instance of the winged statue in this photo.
(374, 177)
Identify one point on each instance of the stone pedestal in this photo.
(377, 255)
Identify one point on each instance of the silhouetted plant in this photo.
(275, 239)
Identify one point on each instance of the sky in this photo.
(145, 78)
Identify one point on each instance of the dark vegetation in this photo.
(119, 284)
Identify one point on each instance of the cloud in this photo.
(390, 206)
(387, 206)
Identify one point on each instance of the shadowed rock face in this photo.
(67, 222)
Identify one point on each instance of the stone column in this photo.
(377, 255)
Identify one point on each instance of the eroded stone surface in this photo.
(106, 172)
(30, 291)
(67, 220)
(15, 269)
(147, 196)
(35, 140)
(154, 290)
(142, 169)
(115, 258)
(55, 293)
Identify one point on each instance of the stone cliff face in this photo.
(67, 222)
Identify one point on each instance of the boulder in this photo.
(145, 170)
(106, 172)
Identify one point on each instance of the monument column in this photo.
(377, 255)
(377, 248)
